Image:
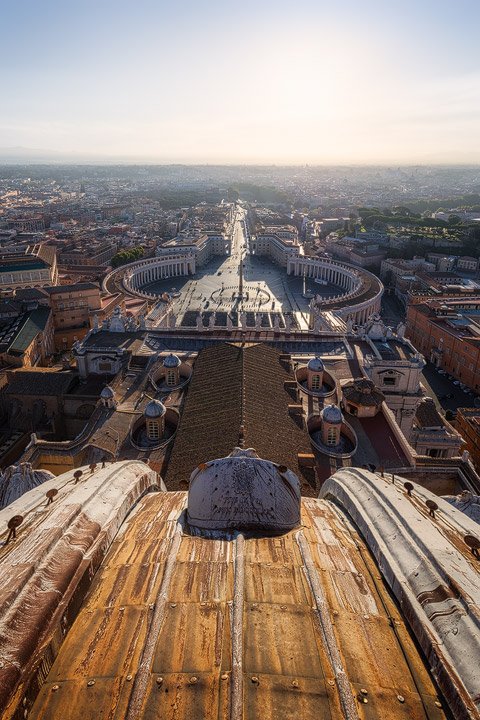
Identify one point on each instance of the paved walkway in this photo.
(266, 287)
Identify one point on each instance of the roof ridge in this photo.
(241, 431)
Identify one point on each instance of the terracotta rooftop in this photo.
(427, 415)
(76, 287)
(363, 392)
(39, 382)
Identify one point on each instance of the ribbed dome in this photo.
(107, 393)
(332, 414)
(154, 409)
(243, 491)
(171, 361)
(16, 480)
(316, 365)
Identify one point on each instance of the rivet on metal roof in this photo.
(364, 691)
(12, 525)
(400, 698)
(408, 487)
(50, 494)
(193, 680)
(438, 704)
(295, 683)
(55, 688)
(432, 506)
(173, 605)
(362, 699)
(472, 542)
(255, 680)
(224, 676)
(159, 680)
(129, 677)
(90, 683)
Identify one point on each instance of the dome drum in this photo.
(169, 374)
(330, 434)
(314, 379)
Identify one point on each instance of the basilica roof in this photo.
(187, 622)
(238, 392)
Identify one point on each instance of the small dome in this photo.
(171, 361)
(332, 414)
(154, 409)
(242, 491)
(107, 393)
(316, 365)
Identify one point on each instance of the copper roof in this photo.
(161, 617)
(184, 625)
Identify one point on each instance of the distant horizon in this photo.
(72, 158)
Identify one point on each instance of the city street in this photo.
(438, 386)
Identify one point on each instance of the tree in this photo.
(127, 256)
(454, 220)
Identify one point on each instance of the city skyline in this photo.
(224, 83)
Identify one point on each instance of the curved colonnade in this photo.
(361, 296)
(136, 275)
(362, 289)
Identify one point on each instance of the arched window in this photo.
(332, 436)
(171, 379)
(316, 382)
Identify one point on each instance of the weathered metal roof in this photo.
(46, 568)
(178, 625)
(423, 546)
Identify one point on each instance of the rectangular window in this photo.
(390, 381)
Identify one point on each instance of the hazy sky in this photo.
(302, 81)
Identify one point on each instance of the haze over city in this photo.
(271, 82)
